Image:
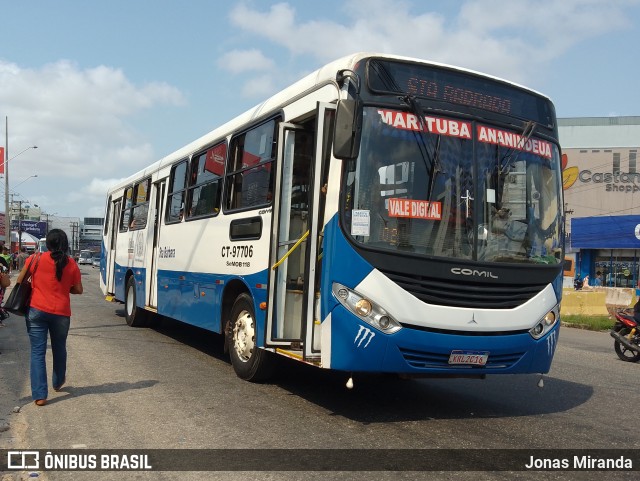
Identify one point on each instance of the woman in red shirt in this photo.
(56, 276)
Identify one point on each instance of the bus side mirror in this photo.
(348, 129)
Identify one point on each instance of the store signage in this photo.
(35, 228)
(613, 181)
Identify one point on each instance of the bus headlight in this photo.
(545, 324)
(365, 309)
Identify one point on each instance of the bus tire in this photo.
(135, 316)
(249, 362)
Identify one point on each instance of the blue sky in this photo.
(105, 88)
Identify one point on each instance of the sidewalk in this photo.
(15, 389)
(14, 378)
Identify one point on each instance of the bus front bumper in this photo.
(359, 347)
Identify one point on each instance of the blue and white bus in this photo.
(383, 214)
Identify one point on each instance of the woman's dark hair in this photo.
(58, 246)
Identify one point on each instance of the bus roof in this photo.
(324, 75)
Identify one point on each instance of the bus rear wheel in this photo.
(135, 317)
(249, 362)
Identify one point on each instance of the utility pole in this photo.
(74, 237)
(48, 215)
(7, 218)
(19, 226)
(7, 215)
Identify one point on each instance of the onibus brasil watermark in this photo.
(33, 460)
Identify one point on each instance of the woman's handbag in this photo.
(5, 280)
(20, 297)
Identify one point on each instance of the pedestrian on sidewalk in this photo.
(5, 258)
(22, 258)
(57, 275)
(5, 281)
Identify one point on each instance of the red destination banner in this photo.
(415, 209)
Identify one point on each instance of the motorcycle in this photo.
(626, 333)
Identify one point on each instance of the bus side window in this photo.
(107, 218)
(126, 210)
(177, 191)
(249, 180)
(207, 169)
(140, 210)
(256, 186)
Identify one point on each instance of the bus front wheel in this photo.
(249, 362)
(135, 317)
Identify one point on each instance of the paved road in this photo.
(172, 387)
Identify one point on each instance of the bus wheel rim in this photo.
(130, 301)
(244, 336)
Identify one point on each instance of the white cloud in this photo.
(259, 86)
(78, 119)
(515, 39)
(239, 61)
(93, 192)
(279, 25)
(66, 194)
(101, 186)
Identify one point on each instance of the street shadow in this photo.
(106, 388)
(383, 398)
(101, 326)
(205, 341)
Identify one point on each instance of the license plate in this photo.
(473, 358)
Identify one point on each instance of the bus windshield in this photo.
(454, 188)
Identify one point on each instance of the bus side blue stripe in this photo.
(196, 298)
(335, 268)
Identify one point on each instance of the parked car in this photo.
(86, 257)
(96, 261)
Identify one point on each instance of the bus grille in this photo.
(443, 292)
(424, 359)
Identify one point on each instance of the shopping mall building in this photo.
(601, 179)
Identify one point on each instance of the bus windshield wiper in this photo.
(431, 162)
(509, 159)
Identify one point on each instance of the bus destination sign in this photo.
(443, 84)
